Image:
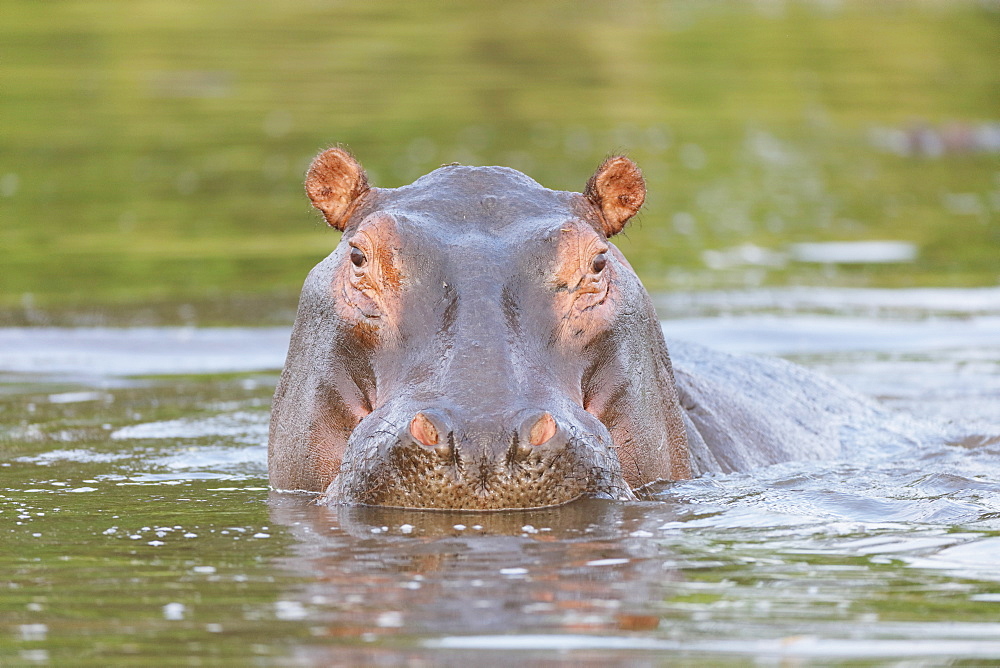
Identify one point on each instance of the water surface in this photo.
(138, 524)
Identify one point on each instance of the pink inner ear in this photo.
(618, 189)
(334, 181)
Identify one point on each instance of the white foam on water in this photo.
(215, 459)
(135, 351)
(243, 426)
(805, 334)
(794, 646)
(80, 455)
(854, 252)
(921, 302)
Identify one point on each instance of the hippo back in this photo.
(742, 412)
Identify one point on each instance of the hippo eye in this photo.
(357, 256)
(600, 261)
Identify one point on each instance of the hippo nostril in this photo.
(543, 429)
(424, 430)
(536, 430)
(428, 431)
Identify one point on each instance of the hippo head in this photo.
(474, 342)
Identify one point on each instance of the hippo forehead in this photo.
(457, 200)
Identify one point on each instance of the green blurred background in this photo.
(153, 150)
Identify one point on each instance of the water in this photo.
(138, 526)
(152, 176)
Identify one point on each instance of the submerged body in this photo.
(476, 342)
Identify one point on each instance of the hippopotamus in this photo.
(476, 342)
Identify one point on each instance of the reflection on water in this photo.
(155, 485)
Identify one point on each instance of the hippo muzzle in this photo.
(537, 461)
(474, 342)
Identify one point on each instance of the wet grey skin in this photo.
(475, 342)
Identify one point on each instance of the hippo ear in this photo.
(335, 181)
(618, 190)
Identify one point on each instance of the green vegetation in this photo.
(153, 151)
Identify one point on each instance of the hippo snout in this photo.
(532, 458)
